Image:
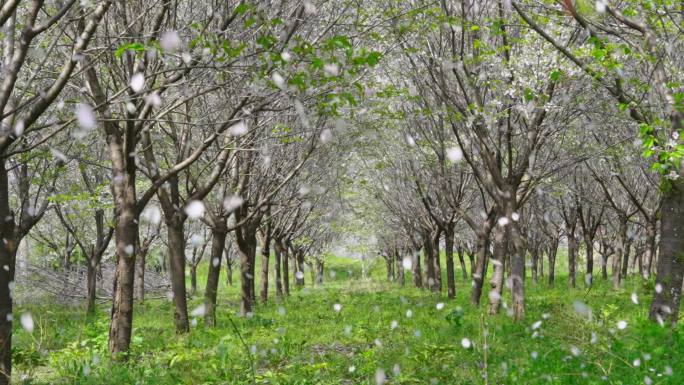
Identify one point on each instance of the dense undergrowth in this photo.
(380, 332)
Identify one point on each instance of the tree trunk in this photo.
(246, 245)
(176, 248)
(140, 277)
(428, 255)
(8, 250)
(286, 268)
(517, 274)
(553, 250)
(449, 252)
(650, 247)
(91, 285)
(638, 260)
(126, 234)
(589, 244)
(572, 258)
(480, 267)
(218, 244)
(603, 259)
(278, 277)
(265, 256)
(299, 261)
(464, 271)
(620, 254)
(193, 280)
(670, 270)
(319, 272)
(229, 266)
(535, 264)
(498, 260)
(416, 270)
(436, 260)
(388, 267)
(625, 259)
(400, 268)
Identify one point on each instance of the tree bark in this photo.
(299, 260)
(193, 280)
(572, 257)
(436, 260)
(278, 276)
(650, 248)
(265, 256)
(517, 274)
(91, 285)
(176, 248)
(388, 267)
(126, 234)
(625, 259)
(535, 265)
(498, 260)
(670, 270)
(229, 266)
(416, 269)
(319, 272)
(8, 250)
(620, 254)
(246, 245)
(481, 263)
(218, 244)
(449, 252)
(428, 255)
(140, 277)
(400, 268)
(589, 245)
(553, 250)
(464, 271)
(286, 269)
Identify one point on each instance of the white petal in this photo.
(137, 82)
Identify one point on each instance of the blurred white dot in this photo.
(137, 82)
(170, 41)
(26, 321)
(194, 209)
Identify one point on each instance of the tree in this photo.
(644, 42)
(24, 126)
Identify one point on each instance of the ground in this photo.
(382, 332)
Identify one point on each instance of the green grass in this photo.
(303, 340)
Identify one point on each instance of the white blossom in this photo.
(26, 321)
(137, 82)
(194, 209)
(170, 41)
(238, 129)
(455, 154)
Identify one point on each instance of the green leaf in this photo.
(373, 58)
(529, 94)
(137, 47)
(241, 9)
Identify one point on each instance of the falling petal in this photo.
(26, 321)
(137, 82)
(170, 41)
(194, 209)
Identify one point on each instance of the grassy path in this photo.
(381, 332)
